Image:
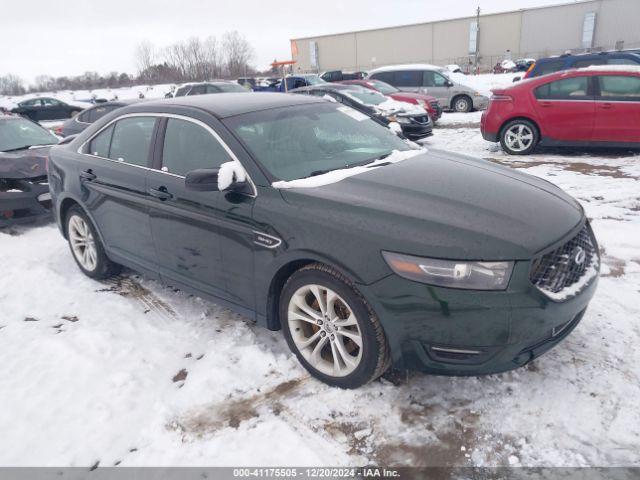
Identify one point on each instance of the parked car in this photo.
(77, 124)
(304, 217)
(548, 65)
(339, 76)
(593, 106)
(204, 88)
(434, 81)
(247, 82)
(413, 120)
(291, 82)
(429, 103)
(46, 108)
(24, 188)
(524, 64)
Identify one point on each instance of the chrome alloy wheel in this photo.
(82, 243)
(325, 330)
(518, 137)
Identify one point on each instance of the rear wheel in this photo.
(462, 104)
(519, 137)
(86, 247)
(331, 329)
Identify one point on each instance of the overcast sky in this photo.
(70, 37)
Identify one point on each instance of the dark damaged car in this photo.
(315, 220)
(24, 188)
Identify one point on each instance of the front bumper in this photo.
(24, 200)
(463, 332)
(415, 131)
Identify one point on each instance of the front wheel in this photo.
(519, 137)
(331, 329)
(86, 247)
(462, 104)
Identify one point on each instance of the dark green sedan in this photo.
(310, 218)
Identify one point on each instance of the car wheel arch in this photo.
(68, 202)
(285, 271)
(452, 105)
(519, 117)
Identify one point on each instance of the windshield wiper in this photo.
(16, 149)
(351, 165)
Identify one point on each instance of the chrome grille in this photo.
(565, 266)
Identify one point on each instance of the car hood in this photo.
(445, 205)
(28, 163)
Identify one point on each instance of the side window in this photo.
(131, 140)
(408, 78)
(100, 144)
(548, 67)
(100, 112)
(575, 88)
(85, 116)
(588, 63)
(188, 146)
(50, 102)
(182, 91)
(213, 89)
(384, 77)
(198, 90)
(620, 88)
(622, 61)
(439, 80)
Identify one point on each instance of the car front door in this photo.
(112, 172)
(566, 109)
(617, 109)
(437, 86)
(51, 109)
(187, 225)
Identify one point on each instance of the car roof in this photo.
(119, 103)
(409, 66)
(581, 56)
(223, 105)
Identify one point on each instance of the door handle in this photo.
(87, 175)
(606, 106)
(160, 193)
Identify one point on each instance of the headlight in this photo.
(451, 273)
(403, 120)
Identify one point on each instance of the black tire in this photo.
(375, 356)
(104, 268)
(462, 104)
(527, 126)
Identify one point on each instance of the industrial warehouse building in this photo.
(589, 25)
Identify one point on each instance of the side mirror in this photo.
(516, 79)
(202, 180)
(449, 84)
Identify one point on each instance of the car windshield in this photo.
(305, 140)
(230, 87)
(365, 96)
(18, 133)
(382, 87)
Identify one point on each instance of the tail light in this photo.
(58, 130)
(501, 98)
(526, 74)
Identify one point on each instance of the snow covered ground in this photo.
(130, 372)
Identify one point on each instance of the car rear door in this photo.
(617, 116)
(565, 109)
(112, 172)
(187, 225)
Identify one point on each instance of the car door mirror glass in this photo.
(202, 180)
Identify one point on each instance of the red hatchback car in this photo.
(593, 106)
(429, 103)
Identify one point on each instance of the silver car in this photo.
(434, 81)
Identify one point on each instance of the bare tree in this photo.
(237, 53)
(11, 85)
(145, 56)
